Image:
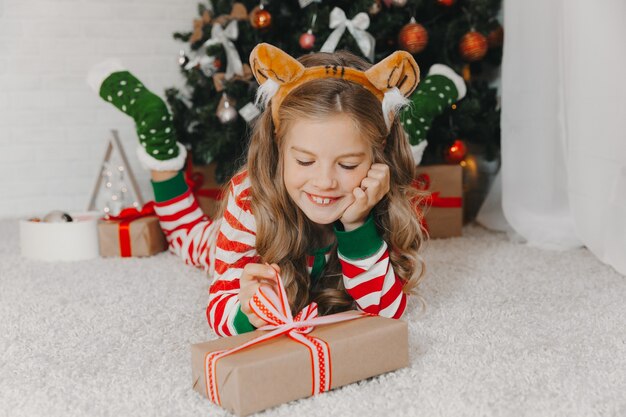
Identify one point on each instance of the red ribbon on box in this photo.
(422, 183)
(274, 308)
(195, 180)
(125, 218)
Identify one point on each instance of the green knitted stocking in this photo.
(441, 87)
(159, 149)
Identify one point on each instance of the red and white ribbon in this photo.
(274, 309)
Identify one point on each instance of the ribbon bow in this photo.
(205, 62)
(356, 27)
(125, 217)
(131, 213)
(195, 180)
(274, 309)
(225, 36)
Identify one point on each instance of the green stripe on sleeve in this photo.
(361, 242)
(241, 322)
(168, 189)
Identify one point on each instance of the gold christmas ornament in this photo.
(467, 73)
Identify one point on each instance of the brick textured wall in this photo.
(53, 128)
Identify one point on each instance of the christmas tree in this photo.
(212, 114)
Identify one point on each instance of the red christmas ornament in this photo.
(455, 153)
(473, 46)
(260, 18)
(413, 37)
(446, 3)
(307, 40)
(495, 38)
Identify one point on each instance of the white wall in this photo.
(53, 128)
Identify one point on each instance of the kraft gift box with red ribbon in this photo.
(131, 233)
(201, 181)
(442, 205)
(295, 357)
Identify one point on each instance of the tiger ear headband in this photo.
(392, 80)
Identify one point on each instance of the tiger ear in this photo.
(397, 70)
(269, 62)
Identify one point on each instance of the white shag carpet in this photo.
(510, 330)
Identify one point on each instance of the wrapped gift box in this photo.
(443, 205)
(73, 241)
(279, 370)
(205, 188)
(144, 237)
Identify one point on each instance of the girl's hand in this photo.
(373, 188)
(254, 276)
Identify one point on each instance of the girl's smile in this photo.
(322, 201)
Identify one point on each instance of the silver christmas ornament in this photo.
(207, 65)
(226, 110)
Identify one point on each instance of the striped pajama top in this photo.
(222, 247)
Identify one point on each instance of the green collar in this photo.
(320, 251)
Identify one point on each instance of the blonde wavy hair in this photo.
(285, 235)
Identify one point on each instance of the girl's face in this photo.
(324, 161)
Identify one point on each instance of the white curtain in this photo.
(564, 124)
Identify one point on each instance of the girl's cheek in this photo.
(354, 179)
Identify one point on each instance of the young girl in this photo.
(325, 196)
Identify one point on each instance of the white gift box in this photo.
(71, 241)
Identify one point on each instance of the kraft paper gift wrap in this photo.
(443, 208)
(146, 237)
(279, 370)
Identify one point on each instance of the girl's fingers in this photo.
(256, 321)
(255, 276)
(379, 174)
(371, 188)
(359, 195)
(256, 272)
(246, 294)
(368, 183)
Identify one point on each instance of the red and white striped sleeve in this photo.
(188, 230)
(367, 272)
(235, 248)
(222, 247)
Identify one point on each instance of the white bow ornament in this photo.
(225, 36)
(356, 27)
